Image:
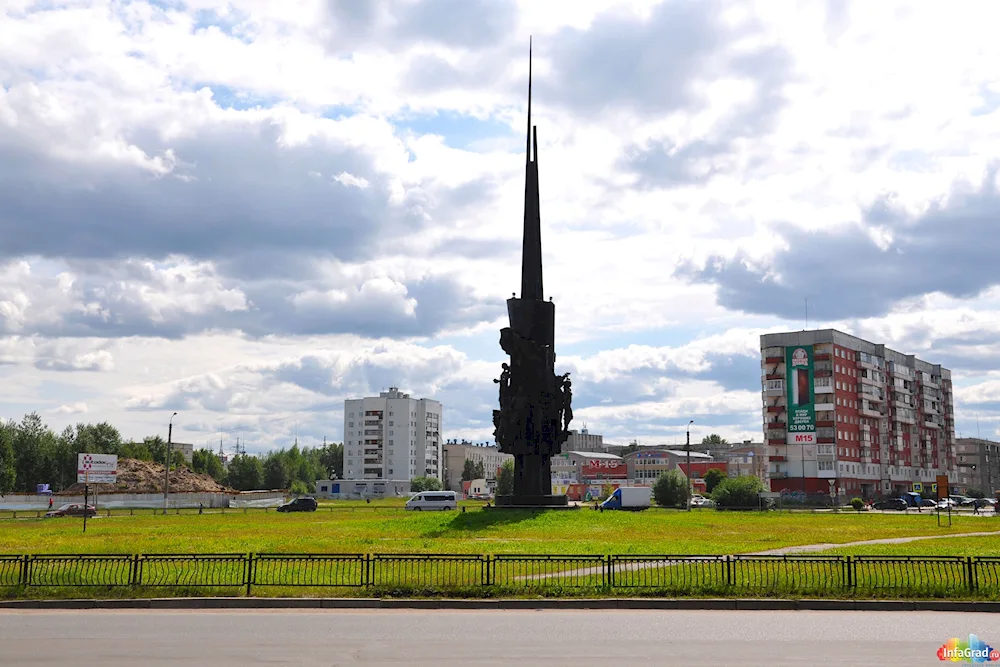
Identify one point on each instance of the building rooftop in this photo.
(597, 455)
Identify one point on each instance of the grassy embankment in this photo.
(480, 532)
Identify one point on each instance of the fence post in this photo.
(26, 571)
(730, 566)
(133, 575)
(249, 572)
(609, 574)
(970, 569)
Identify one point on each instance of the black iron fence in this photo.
(624, 574)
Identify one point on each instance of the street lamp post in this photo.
(166, 466)
(690, 488)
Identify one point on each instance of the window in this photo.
(826, 465)
(838, 403)
(835, 366)
(390, 424)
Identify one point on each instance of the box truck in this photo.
(634, 498)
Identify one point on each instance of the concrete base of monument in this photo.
(534, 502)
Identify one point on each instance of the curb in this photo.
(648, 604)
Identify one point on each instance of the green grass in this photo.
(388, 530)
(958, 546)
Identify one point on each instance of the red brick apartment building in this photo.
(872, 421)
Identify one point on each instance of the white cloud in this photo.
(222, 218)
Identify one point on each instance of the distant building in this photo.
(184, 448)
(978, 465)
(646, 465)
(392, 437)
(583, 441)
(748, 459)
(357, 489)
(457, 453)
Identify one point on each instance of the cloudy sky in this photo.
(247, 211)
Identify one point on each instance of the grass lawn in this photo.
(389, 530)
(956, 546)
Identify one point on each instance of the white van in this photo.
(433, 500)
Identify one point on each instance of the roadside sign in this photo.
(97, 468)
(918, 487)
(942, 486)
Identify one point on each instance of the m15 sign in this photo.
(605, 469)
(799, 376)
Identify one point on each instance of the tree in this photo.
(606, 490)
(975, 493)
(418, 484)
(276, 472)
(468, 470)
(712, 479)
(714, 439)
(738, 492)
(205, 461)
(300, 488)
(246, 473)
(8, 464)
(671, 489)
(331, 457)
(505, 479)
(480, 470)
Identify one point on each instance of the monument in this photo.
(533, 420)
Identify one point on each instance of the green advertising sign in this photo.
(799, 386)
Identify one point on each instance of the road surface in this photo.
(417, 638)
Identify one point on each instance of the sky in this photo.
(247, 211)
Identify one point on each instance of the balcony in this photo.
(773, 409)
(822, 356)
(825, 423)
(778, 475)
(774, 360)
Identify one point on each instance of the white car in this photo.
(433, 501)
(701, 501)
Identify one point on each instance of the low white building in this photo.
(457, 453)
(355, 489)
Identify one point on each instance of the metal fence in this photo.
(882, 576)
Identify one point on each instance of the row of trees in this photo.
(671, 489)
(31, 453)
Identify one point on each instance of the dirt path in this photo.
(802, 548)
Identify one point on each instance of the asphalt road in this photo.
(490, 638)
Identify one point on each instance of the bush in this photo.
(738, 492)
(713, 478)
(300, 488)
(671, 489)
(858, 504)
(418, 484)
(606, 491)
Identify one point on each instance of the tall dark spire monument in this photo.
(533, 420)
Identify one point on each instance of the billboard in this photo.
(97, 468)
(604, 469)
(799, 382)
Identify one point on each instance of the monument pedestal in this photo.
(548, 502)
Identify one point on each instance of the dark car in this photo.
(300, 505)
(73, 509)
(891, 504)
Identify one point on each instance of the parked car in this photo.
(891, 504)
(701, 501)
(303, 504)
(927, 502)
(73, 509)
(945, 503)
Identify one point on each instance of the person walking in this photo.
(50, 502)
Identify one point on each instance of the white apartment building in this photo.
(392, 437)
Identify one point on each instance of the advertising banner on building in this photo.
(799, 383)
(604, 469)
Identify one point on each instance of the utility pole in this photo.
(690, 487)
(166, 466)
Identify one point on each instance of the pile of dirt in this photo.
(135, 476)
